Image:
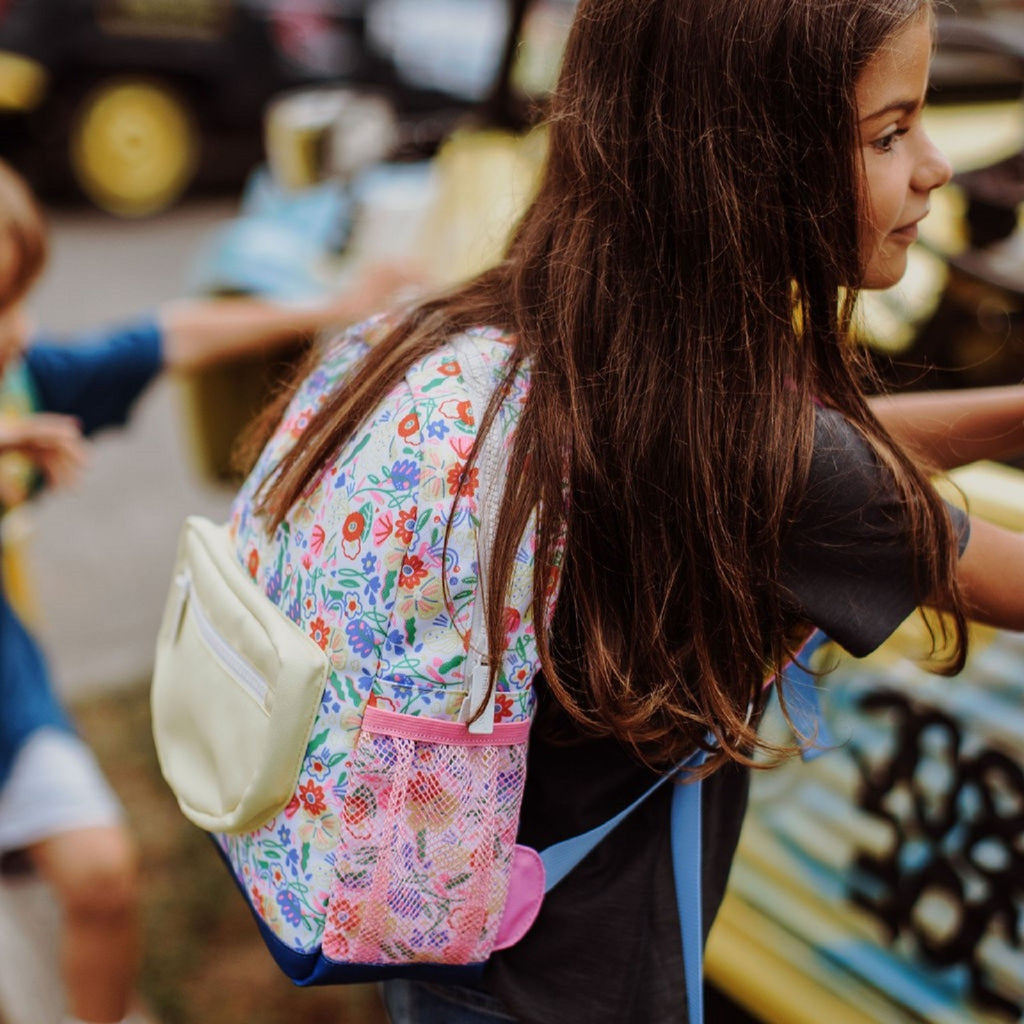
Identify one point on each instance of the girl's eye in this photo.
(887, 141)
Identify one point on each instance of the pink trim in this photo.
(525, 895)
(437, 730)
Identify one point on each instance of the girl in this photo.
(696, 442)
(56, 809)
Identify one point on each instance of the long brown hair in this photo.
(678, 289)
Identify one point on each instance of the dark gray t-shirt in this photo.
(606, 946)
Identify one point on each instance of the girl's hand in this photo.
(53, 442)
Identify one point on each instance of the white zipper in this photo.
(236, 666)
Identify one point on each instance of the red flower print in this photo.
(253, 563)
(293, 806)
(406, 525)
(512, 620)
(465, 413)
(311, 796)
(382, 528)
(320, 632)
(413, 572)
(408, 425)
(352, 528)
(450, 368)
(258, 903)
(344, 916)
(457, 476)
(359, 805)
(424, 788)
(307, 561)
(504, 709)
(316, 540)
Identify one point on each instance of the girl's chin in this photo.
(884, 274)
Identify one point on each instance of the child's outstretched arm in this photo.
(53, 442)
(201, 332)
(952, 428)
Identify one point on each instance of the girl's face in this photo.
(900, 164)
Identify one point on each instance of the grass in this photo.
(203, 959)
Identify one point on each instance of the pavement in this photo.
(100, 555)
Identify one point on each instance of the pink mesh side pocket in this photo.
(428, 834)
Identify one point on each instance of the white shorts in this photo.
(55, 786)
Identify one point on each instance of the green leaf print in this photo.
(410, 631)
(451, 664)
(359, 447)
(316, 741)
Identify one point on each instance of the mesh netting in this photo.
(428, 833)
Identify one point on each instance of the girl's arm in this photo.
(952, 428)
(201, 332)
(991, 572)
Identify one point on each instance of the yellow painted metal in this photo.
(765, 970)
(23, 82)
(133, 147)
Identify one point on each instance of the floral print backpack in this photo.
(312, 688)
(315, 693)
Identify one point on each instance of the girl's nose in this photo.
(933, 169)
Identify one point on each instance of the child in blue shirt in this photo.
(55, 805)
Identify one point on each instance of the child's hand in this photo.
(374, 288)
(53, 442)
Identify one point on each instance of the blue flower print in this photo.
(290, 907)
(360, 636)
(405, 475)
(274, 585)
(373, 585)
(319, 764)
(437, 428)
(395, 641)
(369, 562)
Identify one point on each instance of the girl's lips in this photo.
(907, 233)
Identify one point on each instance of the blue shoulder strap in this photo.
(803, 702)
(560, 858)
(687, 855)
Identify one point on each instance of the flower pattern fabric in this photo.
(368, 565)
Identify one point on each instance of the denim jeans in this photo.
(412, 1002)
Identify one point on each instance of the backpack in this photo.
(312, 692)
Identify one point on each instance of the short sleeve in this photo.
(96, 376)
(847, 565)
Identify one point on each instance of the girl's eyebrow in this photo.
(900, 106)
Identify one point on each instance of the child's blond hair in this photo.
(23, 236)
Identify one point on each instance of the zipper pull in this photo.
(478, 680)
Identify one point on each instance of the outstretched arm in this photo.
(952, 428)
(991, 572)
(201, 332)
